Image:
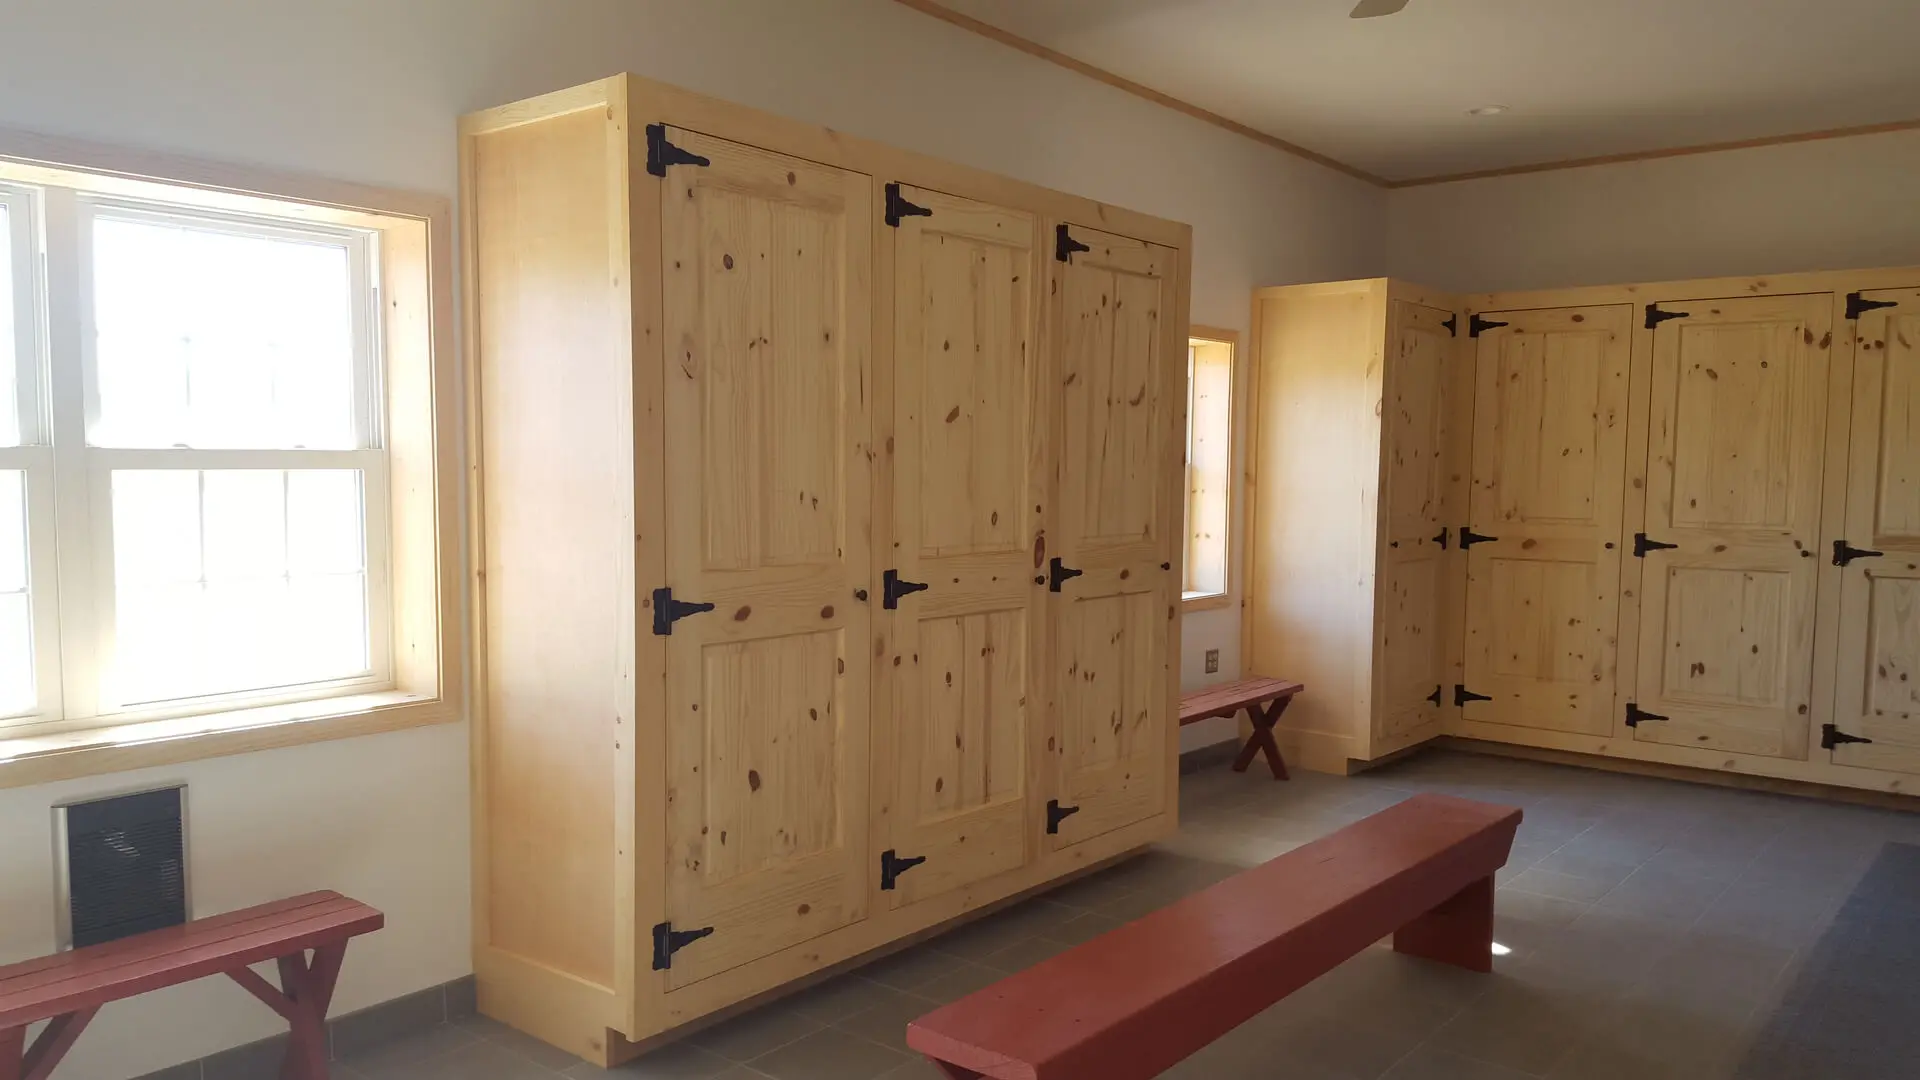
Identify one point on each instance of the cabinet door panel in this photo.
(766, 285)
(1879, 672)
(1412, 645)
(1736, 437)
(967, 465)
(1117, 374)
(1549, 469)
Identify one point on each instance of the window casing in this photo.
(1210, 428)
(198, 403)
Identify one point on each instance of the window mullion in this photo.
(83, 590)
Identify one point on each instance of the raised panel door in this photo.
(1547, 495)
(1878, 696)
(1736, 437)
(1116, 376)
(765, 264)
(1412, 645)
(962, 656)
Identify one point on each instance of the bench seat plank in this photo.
(1212, 701)
(1139, 999)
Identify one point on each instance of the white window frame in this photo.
(34, 456)
(71, 479)
(1195, 600)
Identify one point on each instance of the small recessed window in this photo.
(1210, 377)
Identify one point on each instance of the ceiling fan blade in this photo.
(1369, 9)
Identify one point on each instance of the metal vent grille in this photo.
(125, 866)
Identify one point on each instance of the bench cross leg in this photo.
(1458, 932)
(18, 1061)
(1261, 741)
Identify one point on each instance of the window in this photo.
(1210, 355)
(207, 403)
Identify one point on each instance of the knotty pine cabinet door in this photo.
(1878, 687)
(1736, 443)
(765, 269)
(963, 623)
(1115, 361)
(1543, 561)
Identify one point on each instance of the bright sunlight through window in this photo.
(1209, 465)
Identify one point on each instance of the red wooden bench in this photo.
(69, 988)
(1133, 1002)
(1264, 700)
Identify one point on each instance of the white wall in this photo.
(1831, 205)
(368, 90)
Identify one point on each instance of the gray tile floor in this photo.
(1653, 926)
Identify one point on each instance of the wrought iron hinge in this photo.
(1064, 245)
(1462, 695)
(892, 866)
(1858, 305)
(893, 587)
(667, 941)
(1058, 573)
(661, 153)
(1468, 537)
(1642, 545)
(898, 207)
(1476, 325)
(1453, 325)
(1831, 737)
(1844, 553)
(667, 610)
(1441, 539)
(1635, 714)
(1655, 316)
(1057, 814)
(1435, 696)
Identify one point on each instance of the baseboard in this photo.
(1208, 757)
(348, 1034)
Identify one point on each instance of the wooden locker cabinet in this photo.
(779, 437)
(1357, 416)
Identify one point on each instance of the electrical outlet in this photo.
(1213, 661)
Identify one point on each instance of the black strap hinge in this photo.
(1635, 714)
(1058, 573)
(893, 587)
(667, 941)
(1858, 305)
(667, 611)
(1435, 696)
(1477, 325)
(898, 207)
(1642, 545)
(1453, 325)
(1844, 553)
(1462, 695)
(1468, 537)
(661, 153)
(892, 866)
(1831, 736)
(1064, 245)
(1655, 316)
(1441, 539)
(1057, 814)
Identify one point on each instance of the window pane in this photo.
(212, 339)
(237, 580)
(16, 621)
(9, 360)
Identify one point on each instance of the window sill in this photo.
(1205, 602)
(28, 758)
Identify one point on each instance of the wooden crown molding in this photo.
(1054, 56)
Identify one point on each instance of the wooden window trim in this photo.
(1235, 377)
(422, 410)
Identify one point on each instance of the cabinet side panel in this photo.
(553, 368)
(1314, 533)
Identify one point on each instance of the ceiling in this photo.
(1581, 78)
